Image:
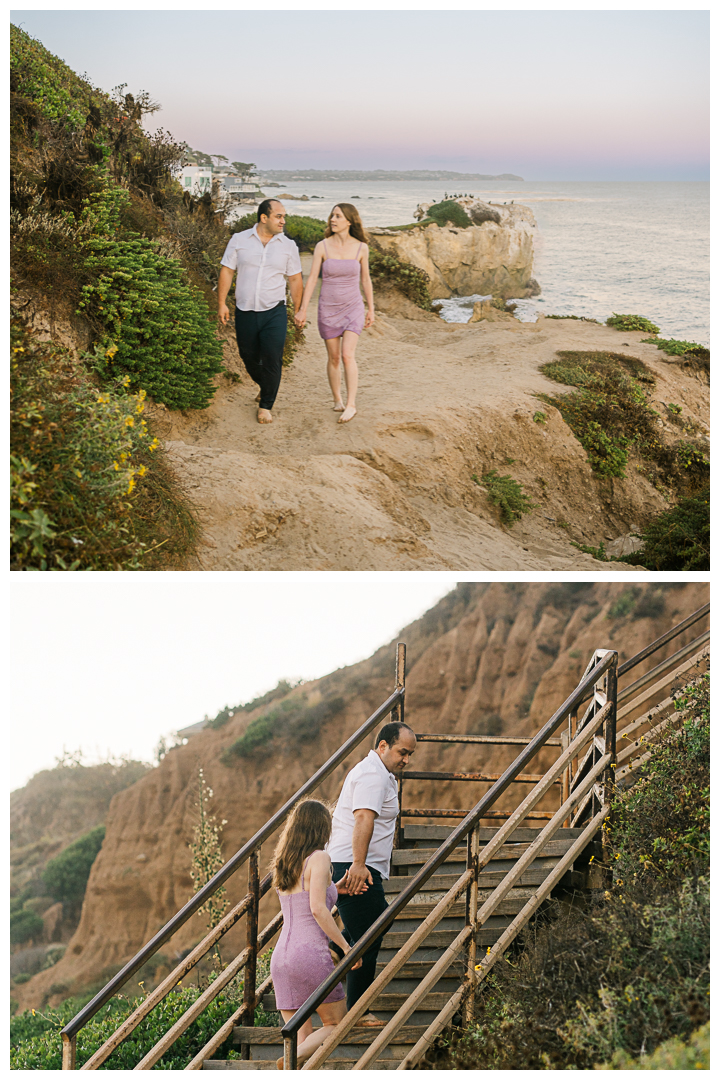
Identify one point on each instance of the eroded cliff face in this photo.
(492, 258)
(488, 658)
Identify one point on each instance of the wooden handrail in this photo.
(662, 640)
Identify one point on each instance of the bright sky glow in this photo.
(547, 95)
(109, 663)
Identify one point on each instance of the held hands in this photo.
(354, 880)
(343, 887)
(300, 318)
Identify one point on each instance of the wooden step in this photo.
(440, 883)
(418, 969)
(272, 1036)
(441, 938)
(330, 1065)
(413, 856)
(441, 832)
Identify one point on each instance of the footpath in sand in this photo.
(394, 488)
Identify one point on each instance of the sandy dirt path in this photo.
(394, 489)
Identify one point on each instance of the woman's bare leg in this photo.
(331, 1013)
(349, 344)
(334, 372)
(303, 1032)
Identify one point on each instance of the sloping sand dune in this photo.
(394, 489)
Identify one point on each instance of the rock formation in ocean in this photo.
(488, 658)
(494, 256)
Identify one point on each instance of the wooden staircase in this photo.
(265, 1044)
(458, 893)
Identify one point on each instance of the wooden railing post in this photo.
(248, 1013)
(609, 778)
(68, 1051)
(290, 1051)
(471, 909)
(398, 712)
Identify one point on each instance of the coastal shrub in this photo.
(281, 690)
(155, 328)
(507, 494)
(46, 81)
(672, 1054)
(674, 347)
(449, 212)
(632, 322)
(24, 926)
(628, 969)
(677, 538)
(293, 720)
(608, 414)
(624, 604)
(578, 318)
(598, 552)
(90, 485)
(539, 417)
(66, 876)
(36, 1044)
(410, 280)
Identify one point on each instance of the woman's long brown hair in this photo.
(356, 225)
(308, 829)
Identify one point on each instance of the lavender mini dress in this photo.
(301, 959)
(340, 306)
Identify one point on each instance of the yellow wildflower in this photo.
(116, 466)
(142, 470)
(131, 485)
(129, 421)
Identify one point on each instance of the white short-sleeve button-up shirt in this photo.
(262, 269)
(369, 786)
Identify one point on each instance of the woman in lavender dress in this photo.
(301, 961)
(344, 258)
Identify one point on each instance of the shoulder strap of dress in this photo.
(325, 246)
(359, 252)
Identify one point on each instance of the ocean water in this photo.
(639, 248)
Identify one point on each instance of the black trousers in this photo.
(358, 913)
(261, 340)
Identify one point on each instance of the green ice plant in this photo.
(155, 327)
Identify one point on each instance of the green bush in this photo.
(678, 538)
(632, 322)
(624, 604)
(410, 280)
(155, 327)
(507, 494)
(609, 412)
(672, 1054)
(48, 82)
(90, 486)
(36, 1044)
(66, 876)
(293, 720)
(449, 211)
(675, 347)
(24, 925)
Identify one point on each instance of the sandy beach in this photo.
(394, 489)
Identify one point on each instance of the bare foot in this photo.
(264, 416)
(368, 1020)
(347, 415)
(338, 407)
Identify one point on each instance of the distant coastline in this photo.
(286, 175)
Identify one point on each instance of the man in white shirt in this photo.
(362, 842)
(264, 259)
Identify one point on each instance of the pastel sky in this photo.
(547, 95)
